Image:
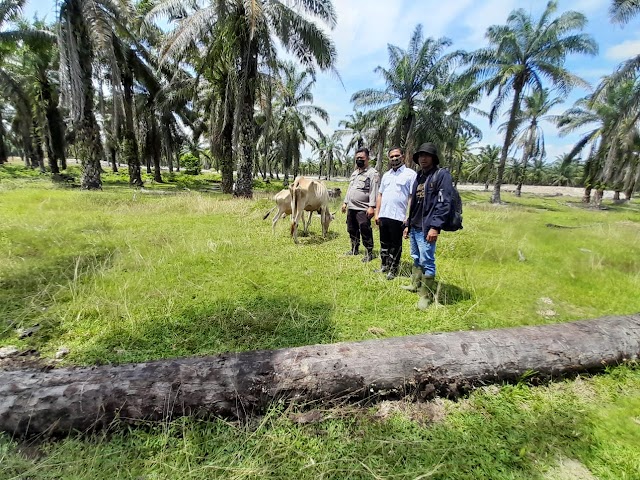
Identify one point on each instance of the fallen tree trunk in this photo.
(238, 384)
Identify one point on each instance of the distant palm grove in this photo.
(180, 84)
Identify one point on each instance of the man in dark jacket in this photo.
(428, 207)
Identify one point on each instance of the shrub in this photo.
(190, 164)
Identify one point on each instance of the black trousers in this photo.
(391, 242)
(359, 225)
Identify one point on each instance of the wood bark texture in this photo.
(239, 384)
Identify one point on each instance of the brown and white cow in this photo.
(283, 204)
(311, 196)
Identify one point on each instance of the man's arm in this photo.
(347, 197)
(378, 204)
(373, 194)
(444, 186)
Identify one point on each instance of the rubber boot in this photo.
(416, 277)
(426, 292)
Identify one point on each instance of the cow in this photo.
(311, 196)
(283, 204)
(335, 193)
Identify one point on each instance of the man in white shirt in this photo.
(391, 210)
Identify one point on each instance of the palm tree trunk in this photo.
(30, 158)
(244, 185)
(89, 149)
(55, 127)
(129, 143)
(597, 200)
(380, 156)
(511, 126)
(518, 191)
(113, 155)
(38, 150)
(235, 385)
(3, 146)
(586, 197)
(226, 158)
(156, 149)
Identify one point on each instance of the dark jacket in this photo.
(437, 199)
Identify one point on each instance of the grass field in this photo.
(123, 275)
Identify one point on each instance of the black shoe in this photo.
(382, 269)
(391, 275)
(352, 252)
(367, 257)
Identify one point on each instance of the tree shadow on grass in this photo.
(315, 238)
(27, 293)
(254, 323)
(448, 294)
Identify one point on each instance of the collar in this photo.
(428, 172)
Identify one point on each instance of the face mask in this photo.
(395, 163)
(360, 163)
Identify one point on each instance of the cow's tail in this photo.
(269, 212)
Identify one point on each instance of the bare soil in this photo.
(535, 190)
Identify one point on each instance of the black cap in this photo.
(429, 148)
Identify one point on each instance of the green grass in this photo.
(124, 275)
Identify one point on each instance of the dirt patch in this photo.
(546, 190)
(569, 469)
(25, 361)
(423, 413)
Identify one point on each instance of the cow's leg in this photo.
(306, 226)
(295, 218)
(325, 218)
(275, 220)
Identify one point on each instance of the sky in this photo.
(366, 27)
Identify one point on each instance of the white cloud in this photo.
(624, 50)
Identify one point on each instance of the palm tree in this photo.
(624, 10)
(520, 55)
(486, 162)
(612, 137)
(12, 85)
(295, 113)
(40, 60)
(329, 149)
(441, 120)
(411, 76)
(539, 171)
(86, 33)
(565, 171)
(356, 126)
(461, 152)
(254, 26)
(529, 135)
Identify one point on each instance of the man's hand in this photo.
(376, 219)
(344, 208)
(405, 233)
(370, 212)
(432, 235)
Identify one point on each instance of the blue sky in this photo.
(366, 27)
